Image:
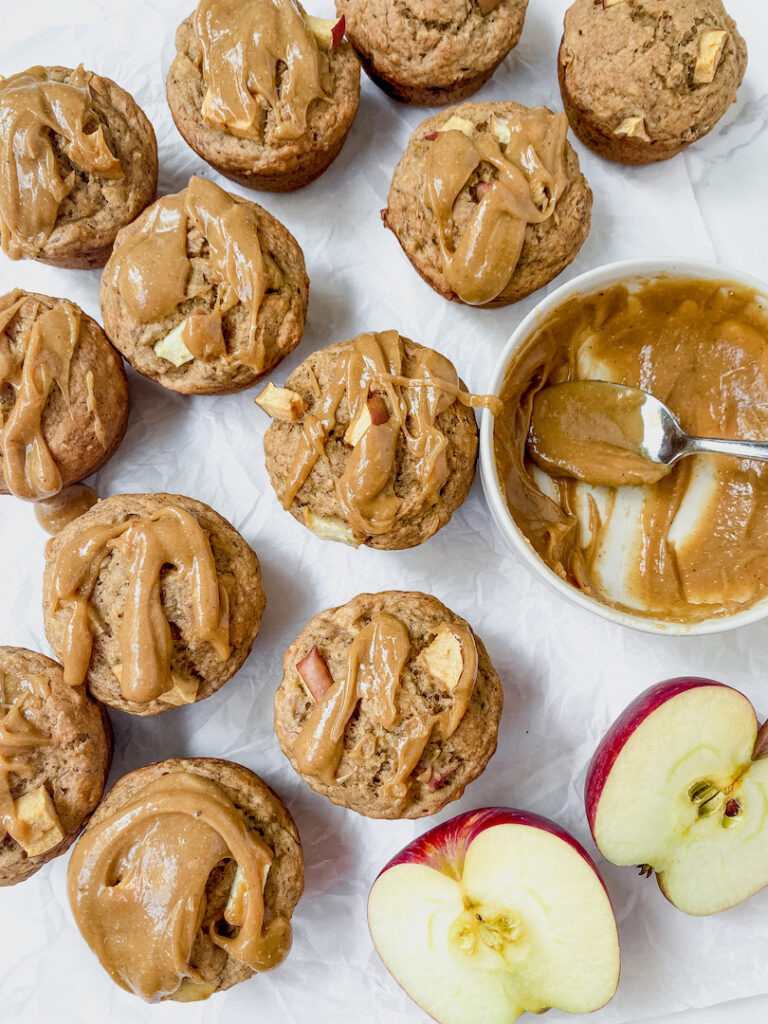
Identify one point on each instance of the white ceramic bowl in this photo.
(611, 274)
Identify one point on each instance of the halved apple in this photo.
(493, 913)
(679, 784)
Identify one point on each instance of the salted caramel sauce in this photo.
(137, 885)
(148, 545)
(58, 511)
(258, 50)
(21, 696)
(375, 662)
(151, 269)
(33, 365)
(695, 544)
(34, 108)
(480, 257)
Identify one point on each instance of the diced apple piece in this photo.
(373, 413)
(281, 403)
(711, 45)
(315, 675)
(612, 3)
(493, 913)
(482, 188)
(331, 529)
(431, 136)
(328, 32)
(377, 407)
(455, 123)
(444, 658)
(184, 691)
(500, 130)
(633, 128)
(37, 811)
(190, 991)
(172, 347)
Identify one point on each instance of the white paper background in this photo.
(566, 673)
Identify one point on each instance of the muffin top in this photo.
(205, 291)
(653, 70)
(77, 160)
(55, 748)
(488, 201)
(388, 705)
(433, 42)
(63, 395)
(373, 441)
(183, 904)
(153, 600)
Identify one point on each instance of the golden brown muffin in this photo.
(183, 904)
(643, 79)
(151, 600)
(63, 395)
(480, 222)
(78, 160)
(55, 752)
(277, 116)
(212, 305)
(338, 452)
(432, 52)
(414, 691)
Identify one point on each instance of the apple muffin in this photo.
(262, 91)
(205, 292)
(186, 878)
(78, 160)
(643, 79)
(435, 52)
(488, 201)
(388, 705)
(151, 601)
(373, 441)
(55, 752)
(63, 395)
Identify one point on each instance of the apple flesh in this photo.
(328, 32)
(493, 913)
(679, 785)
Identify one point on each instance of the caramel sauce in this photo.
(151, 269)
(258, 50)
(58, 511)
(529, 179)
(137, 885)
(33, 365)
(34, 107)
(171, 537)
(695, 543)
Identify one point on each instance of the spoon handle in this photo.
(757, 450)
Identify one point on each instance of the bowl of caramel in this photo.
(682, 550)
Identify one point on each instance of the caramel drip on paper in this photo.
(375, 663)
(248, 47)
(151, 268)
(18, 737)
(58, 511)
(34, 108)
(169, 538)
(530, 178)
(137, 886)
(32, 366)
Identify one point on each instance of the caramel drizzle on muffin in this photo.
(258, 48)
(152, 268)
(375, 663)
(386, 409)
(34, 108)
(31, 366)
(137, 886)
(149, 544)
(526, 158)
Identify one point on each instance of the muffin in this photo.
(78, 160)
(205, 292)
(643, 79)
(185, 881)
(55, 752)
(151, 600)
(277, 116)
(488, 201)
(388, 705)
(435, 52)
(63, 395)
(373, 441)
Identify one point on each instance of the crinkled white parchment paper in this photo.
(566, 673)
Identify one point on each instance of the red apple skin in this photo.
(337, 32)
(633, 715)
